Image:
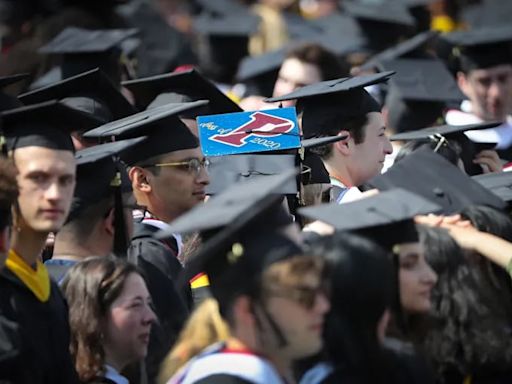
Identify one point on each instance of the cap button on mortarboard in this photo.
(237, 250)
(438, 192)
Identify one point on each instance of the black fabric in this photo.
(161, 267)
(40, 329)
(223, 379)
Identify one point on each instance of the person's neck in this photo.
(28, 244)
(339, 173)
(163, 215)
(113, 361)
(70, 246)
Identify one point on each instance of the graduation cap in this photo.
(91, 92)
(166, 132)
(101, 175)
(241, 227)
(499, 183)
(481, 48)
(410, 48)
(46, 124)
(8, 101)
(386, 218)
(383, 23)
(486, 13)
(436, 179)
(334, 102)
(229, 25)
(419, 92)
(181, 87)
(83, 49)
(445, 135)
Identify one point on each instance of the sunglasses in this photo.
(303, 295)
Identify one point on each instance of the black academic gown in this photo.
(161, 268)
(34, 345)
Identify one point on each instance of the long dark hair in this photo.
(470, 333)
(361, 278)
(90, 287)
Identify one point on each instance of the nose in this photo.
(388, 148)
(203, 177)
(53, 192)
(429, 276)
(149, 316)
(322, 303)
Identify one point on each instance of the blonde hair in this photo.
(204, 327)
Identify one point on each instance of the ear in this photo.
(243, 311)
(463, 82)
(344, 146)
(108, 222)
(140, 179)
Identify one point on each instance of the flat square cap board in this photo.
(249, 132)
(436, 179)
(499, 183)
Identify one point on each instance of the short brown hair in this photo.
(329, 66)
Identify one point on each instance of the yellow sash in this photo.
(37, 281)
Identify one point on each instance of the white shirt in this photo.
(349, 193)
(112, 374)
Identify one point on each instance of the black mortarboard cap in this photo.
(383, 23)
(226, 171)
(91, 92)
(166, 132)
(334, 102)
(187, 83)
(8, 101)
(97, 171)
(83, 49)
(241, 227)
(383, 216)
(419, 92)
(436, 179)
(445, 134)
(47, 125)
(486, 13)
(481, 48)
(410, 48)
(499, 183)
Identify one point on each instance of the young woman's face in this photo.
(129, 323)
(416, 278)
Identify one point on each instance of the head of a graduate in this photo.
(269, 289)
(306, 64)
(38, 140)
(168, 170)
(99, 222)
(485, 70)
(343, 107)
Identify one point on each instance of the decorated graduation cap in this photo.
(436, 179)
(83, 49)
(419, 92)
(481, 48)
(181, 87)
(8, 101)
(410, 48)
(386, 218)
(91, 92)
(100, 175)
(166, 132)
(46, 125)
(329, 104)
(454, 137)
(499, 183)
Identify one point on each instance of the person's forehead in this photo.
(39, 157)
(504, 69)
(294, 68)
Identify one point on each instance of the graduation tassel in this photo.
(120, 236)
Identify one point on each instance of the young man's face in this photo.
(46, 180)
(489, 90)
(292, 75)
(177, 189)
(367, 158)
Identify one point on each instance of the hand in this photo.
(489, 161)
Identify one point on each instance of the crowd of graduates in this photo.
(378, 249)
